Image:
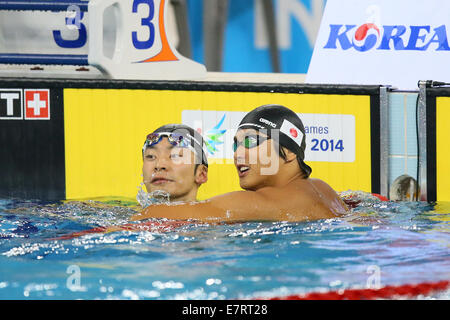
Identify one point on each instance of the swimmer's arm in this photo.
(233, 206)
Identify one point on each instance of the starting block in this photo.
(123, 39)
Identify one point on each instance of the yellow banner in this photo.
(442, 149)
(106, 128)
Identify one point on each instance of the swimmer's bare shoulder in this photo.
(306, 199)
(328, 196)
(300, 200)
(232, 206)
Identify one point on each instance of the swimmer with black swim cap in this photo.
(269, 150)
(278, 123)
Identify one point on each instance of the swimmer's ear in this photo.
(201, 174)
(290, 156)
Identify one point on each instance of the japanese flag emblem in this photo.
(292, 132)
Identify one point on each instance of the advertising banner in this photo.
(442, 149)
(72, 139)
(105, 130)
(388, 42)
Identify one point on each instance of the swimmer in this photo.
(174, 167)
(269, 150)
(174, 163)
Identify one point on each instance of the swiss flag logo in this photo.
(37, 104)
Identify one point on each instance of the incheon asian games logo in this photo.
(214, 137)
(370, 36)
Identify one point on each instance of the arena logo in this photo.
(269, 123)
(388, 37)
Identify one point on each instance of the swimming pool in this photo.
(377, 244)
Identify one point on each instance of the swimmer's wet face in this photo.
(285, 128)
(256, 159)
(172, 169)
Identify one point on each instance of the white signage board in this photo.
(329, 137)
(383, 42)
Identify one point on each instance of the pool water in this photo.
(376, 244)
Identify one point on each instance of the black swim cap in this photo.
(291, 130)
(196, 138)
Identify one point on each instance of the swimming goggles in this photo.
(175, 139)
(179, 140)
(249, 141)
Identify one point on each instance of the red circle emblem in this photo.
(293, 132)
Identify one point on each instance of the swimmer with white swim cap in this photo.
(269, 148)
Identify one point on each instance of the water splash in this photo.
(158, 196)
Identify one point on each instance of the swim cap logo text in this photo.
(270, 123)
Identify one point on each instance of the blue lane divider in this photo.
(62, 59)
(57, 5)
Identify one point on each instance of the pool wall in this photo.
(86, 141)
(434, 136)
(418, 139)
(402, 135)
(78, 139)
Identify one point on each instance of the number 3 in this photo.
(72, 23)
(145, 22)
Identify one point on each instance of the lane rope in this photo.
(387, 292)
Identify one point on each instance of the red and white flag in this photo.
(37, 104)
(292, 131)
